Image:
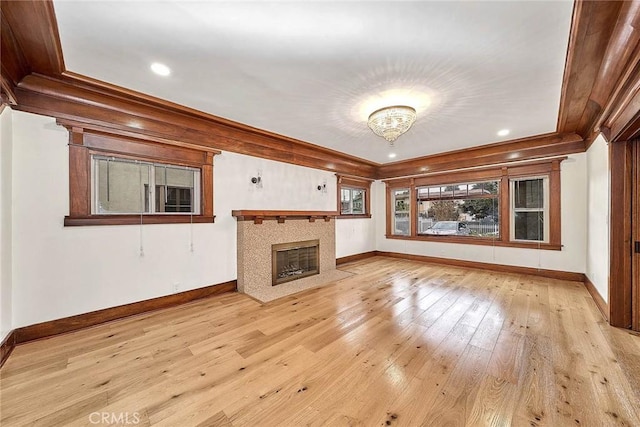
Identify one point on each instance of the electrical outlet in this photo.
(176, 287)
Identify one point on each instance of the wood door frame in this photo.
(622, 288)
(635, 239)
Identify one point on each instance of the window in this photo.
(353, 197)
(119, 180)
(529, 209)
(468, 209)
(123, 186)
(401, 212)
(352, 201)
(516, 205)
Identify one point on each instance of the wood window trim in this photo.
(83, 143)
(359, 184)
(547, 167)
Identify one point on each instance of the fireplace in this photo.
(262, 232)
(292, 261)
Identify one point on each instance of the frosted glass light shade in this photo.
(391, 122)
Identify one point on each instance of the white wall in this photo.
(6, 144)
(597, 269)
(61, 271)
(574, 223)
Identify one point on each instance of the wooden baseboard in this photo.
(356, 257)
(81, 321)
(603, 307)
(7, 346)
(552, 274)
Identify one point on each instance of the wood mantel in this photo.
(258, 216)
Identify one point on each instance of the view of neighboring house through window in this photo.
(122, 186)
(401, 209)
(468, 209)
(529, 209)
(352, 201)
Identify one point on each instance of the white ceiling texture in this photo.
(315, 70)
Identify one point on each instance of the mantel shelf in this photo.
(258, 216)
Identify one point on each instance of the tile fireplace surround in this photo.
(259, 230)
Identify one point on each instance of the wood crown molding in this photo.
(598, 87)
(601, 86)
(517, 150)
(134, 114)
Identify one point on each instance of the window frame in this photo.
(455, 197)
(354, 183)
(545, 208)
(549, 168)
(84, 143)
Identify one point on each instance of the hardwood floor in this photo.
(397, 343)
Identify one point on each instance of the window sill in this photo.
(135, 219)
(478, 241)
(351, 216)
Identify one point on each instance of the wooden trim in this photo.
(45, 87)
(85, 142)
(86, 320)
(7, 346)
(477, 241)
(535, 147)
(281, 216)
(555, 208)
(135, 148)
(79, 180)
(548, 167)
(603, 307)
(505, 208)
(620, 286)
(388, 210)
(355, 257)
(358, 183)
(117, 109)
(7, 95)
(552, 274)
(34, 26)
(619, 92)
(353, 216)
(14, 66)
(75, 221)
(592, 25)
(479, 173)
(635, 237)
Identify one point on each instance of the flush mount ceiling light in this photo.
(503, 132)
(391, 122)
(160, 69)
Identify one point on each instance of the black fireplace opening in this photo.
(292, 261)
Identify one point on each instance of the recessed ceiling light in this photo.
(503, 132)
(160, 69)
(392, 155)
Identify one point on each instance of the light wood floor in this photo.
(398, 343)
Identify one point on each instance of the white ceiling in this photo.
(314, 70)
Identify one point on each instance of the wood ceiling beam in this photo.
(34, 28)
(602, 74)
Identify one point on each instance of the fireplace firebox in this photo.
(292, 261)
